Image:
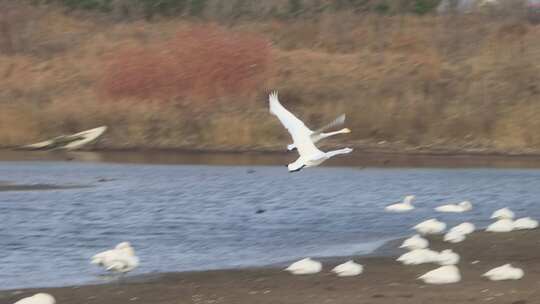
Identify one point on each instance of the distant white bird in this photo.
(504, 272)
(431, 226)
(502, 225)
(415, 242)
(503, 213)
(448, 257)
(310, 156)
(525, 223)
(405, 206)
(464, 228)
(454, 236)
(319, 134)
(39, 298)
(120, 259)
(455, 208)
(305, 266)
(348, 269)
(443, 275)
(419, 256)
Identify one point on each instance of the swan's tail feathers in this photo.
(337, 152)
(336, 122)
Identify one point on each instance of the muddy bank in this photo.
(384, 281)
(359, 158)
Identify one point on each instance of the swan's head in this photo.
(466, 205)
(408, 199)
(296, 166)
(123, 245)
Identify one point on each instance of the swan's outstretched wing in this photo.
(298, 130)
(287, 119)
(340, 120)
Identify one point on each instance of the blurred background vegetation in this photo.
(195, 73)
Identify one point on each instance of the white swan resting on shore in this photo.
(310, 156)
(431, 226)
(415, 242)
(120, 259)
(464, 228)
(39, 298)
(455, 208)
(348, 269)
(525, 223)
(502, 225)
(305, 266)
(448, 257)
(319, 134)
(443, 275)
(503, 213)
(454, 236)
(419, 256)
(404, 206)
(504, 272)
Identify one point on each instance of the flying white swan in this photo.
(310, 156)
(504, 272)
(405, 206)
(319, 134)
(419, 256)
(120, 259)
(525, 223)
(415, 242)
(305, 266)
(502, 225)
(38, 298)
(503, 213)
(443, 275)
(455, 208)
(431, 226)
(348, 269)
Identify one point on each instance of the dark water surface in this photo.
(196, 217)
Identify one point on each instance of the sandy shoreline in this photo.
(384, 281)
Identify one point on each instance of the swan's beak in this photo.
(346, 130)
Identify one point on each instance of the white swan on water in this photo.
(525, 223)
(39, 298)
(503, 213)
(348, 269)
(455, 208)
(404, 206)
(310, 156)
(319, 134)
(305, 266)
(443, 275)
(502, 225)
(431, 226)
(504, 272)
(120, 259)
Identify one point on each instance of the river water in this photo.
(195, 217)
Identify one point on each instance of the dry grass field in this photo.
(406, 81)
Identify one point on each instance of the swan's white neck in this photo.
(344, 130)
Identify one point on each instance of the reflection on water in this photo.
(195, 217)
